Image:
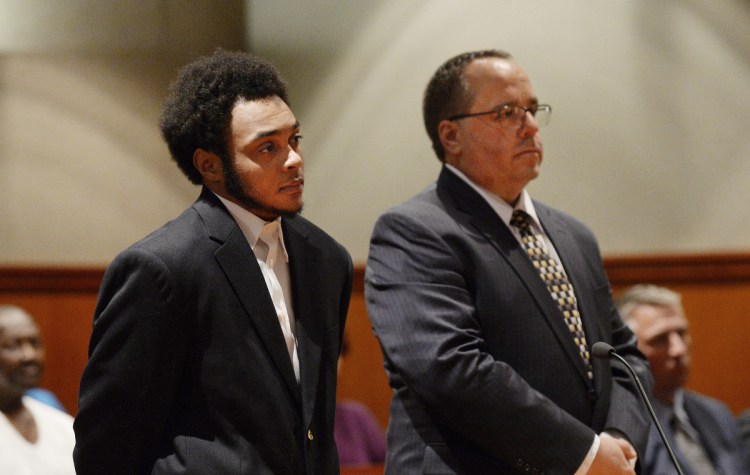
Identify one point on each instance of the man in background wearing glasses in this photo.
(486, 302)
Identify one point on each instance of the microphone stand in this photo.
(606, 351)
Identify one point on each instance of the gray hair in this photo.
(8, 309)
(647, 294)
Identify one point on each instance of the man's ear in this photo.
(209, 165)
(450, 136)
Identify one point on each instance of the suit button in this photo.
(309, 435)
(591, 395)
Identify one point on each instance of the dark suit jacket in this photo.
(716, 426)
(188, 370)
(485, 373)
(743, 427)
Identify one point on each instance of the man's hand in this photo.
(615, 456)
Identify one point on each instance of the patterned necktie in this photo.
(556, 280)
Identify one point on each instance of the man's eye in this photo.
(296, 139)
(659, 342)
(507, 113)
(269, 147)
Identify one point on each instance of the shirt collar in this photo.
(664, 411)
(678, 404)
(251, 225)
(503, 209)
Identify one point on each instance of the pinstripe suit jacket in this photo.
(485, 374)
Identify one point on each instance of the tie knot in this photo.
(269, 235)
(520, 219)
(270, 232)
(681, 422)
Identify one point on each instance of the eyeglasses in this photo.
(514, 116)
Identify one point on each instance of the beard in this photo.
(22, 378)
(236, 190)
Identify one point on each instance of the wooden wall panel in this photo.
(715, 288)
(720, 328)
(362, 377)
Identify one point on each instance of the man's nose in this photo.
(529, 125)
(29, 352)
(677, 345)
(293, 160)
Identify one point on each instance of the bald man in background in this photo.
(34, 438)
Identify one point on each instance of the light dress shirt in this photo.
(700, 460)
(51, 454)
(276, 269)
(680, 413)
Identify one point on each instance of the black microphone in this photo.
(605, 351)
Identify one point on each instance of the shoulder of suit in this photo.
(306, 228)
(424, 204)
(182, 243)
(545, 211)
(170, 234)
(706, 401)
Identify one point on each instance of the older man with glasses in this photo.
(486, 302)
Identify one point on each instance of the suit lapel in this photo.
(238, 262)
(705, 423)
(307, 289)
(489, 224)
